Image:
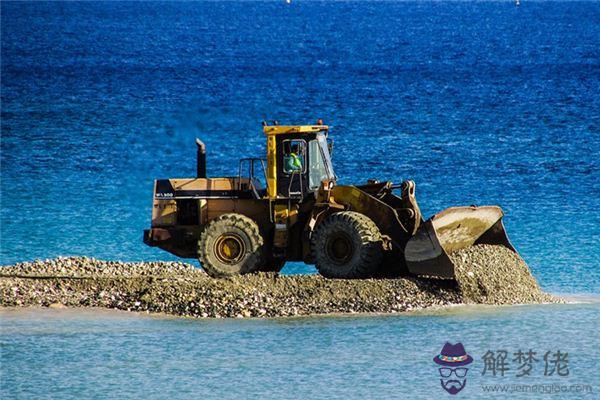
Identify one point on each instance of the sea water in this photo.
(478, 102)
(74, 354)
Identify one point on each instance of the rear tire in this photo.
(231, 244)
(347, 245)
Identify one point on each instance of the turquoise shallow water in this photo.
(74, 354)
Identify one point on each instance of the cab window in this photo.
(294, 156)
(317, 170)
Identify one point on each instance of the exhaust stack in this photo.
(200, 159)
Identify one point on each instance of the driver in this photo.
(293, 161)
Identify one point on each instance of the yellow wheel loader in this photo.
(289, 207)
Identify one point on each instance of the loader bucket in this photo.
(455, 228)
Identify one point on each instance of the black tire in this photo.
(347, 245)
(231, 244)
(393, 265)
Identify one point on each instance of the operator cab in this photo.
(298, 159)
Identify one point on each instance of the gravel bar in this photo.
(182, 289)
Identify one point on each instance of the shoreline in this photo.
(91, 310)
(455, 308)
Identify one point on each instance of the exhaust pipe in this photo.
(200, 159)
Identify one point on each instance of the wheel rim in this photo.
(340, 248)
(230, 249)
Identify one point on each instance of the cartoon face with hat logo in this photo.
(452, 360)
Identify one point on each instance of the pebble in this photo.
(182, 289)
(493, 274)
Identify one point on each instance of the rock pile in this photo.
(182, 289)
(85, 266)
(489, 274)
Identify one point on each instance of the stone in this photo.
(182, 289)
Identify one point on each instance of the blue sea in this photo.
(478, 102)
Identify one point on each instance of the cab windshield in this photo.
(320, 162)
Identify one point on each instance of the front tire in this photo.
(231, 244)
(347, 245)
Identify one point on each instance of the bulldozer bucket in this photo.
(455, 228)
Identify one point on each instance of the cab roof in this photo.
(283, 129)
